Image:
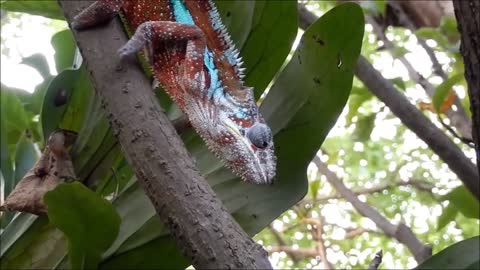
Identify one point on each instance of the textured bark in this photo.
(411, 117)
(468, 19)
(203, 229)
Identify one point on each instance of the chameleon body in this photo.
(195, 61)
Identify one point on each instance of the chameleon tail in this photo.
(99, 12)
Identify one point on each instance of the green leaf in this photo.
(443, 89)
(432, 33)
(6, 165)
(399, 82)
(364, 127)
(462, 255)
(302, 106)
(358, 96)
(273, 32)
(89, 222)
(449, 213)
(448, 25)
(25, 157)
(67, 96)
(15, 230)
(49, 9)
(236, 15)
(13, 114)
(39, 246)
(314, 187)
(64, 45)
(464, 202)
(149, 257)
(398, 52)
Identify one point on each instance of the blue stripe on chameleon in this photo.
(182, 15)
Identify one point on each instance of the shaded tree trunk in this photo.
(468, 19)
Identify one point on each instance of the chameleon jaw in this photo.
(259, 165)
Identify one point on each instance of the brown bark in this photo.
(203, 229)
(468, 18)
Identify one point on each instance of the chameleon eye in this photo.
(260, 135)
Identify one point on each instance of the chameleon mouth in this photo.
(259, 161)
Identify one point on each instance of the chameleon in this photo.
(192, 56)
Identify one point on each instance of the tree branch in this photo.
(203, 229)
(402, 233)
(317, 233)
(418, 184)
(468, 18)
(458, 118)
(411, 117)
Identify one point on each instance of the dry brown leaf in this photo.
(54, 167)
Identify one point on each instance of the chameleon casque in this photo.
(192, 56)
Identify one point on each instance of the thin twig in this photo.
(377, 260)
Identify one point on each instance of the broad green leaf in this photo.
(237, 17)
(302, 106)
(57, 96)
(64, 46)
(13, 115)
(41, 246)
(67, 97)
(90, 226)
(149, 256)
(14, 231)
(443, 89)
(25, 157)
(273, 31)
(462, 255)
(464, 202)
(49, 9)
(6, 165)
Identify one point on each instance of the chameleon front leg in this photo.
(148, 34)
(98, 12)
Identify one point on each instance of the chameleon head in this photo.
(236, 133)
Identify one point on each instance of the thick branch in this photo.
(402, 233)
(201, 226)
(412, 117)
(418, 184)
(468, 18)
(458, 118)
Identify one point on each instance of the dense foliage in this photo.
(303, 91)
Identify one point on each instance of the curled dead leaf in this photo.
(54, 167)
